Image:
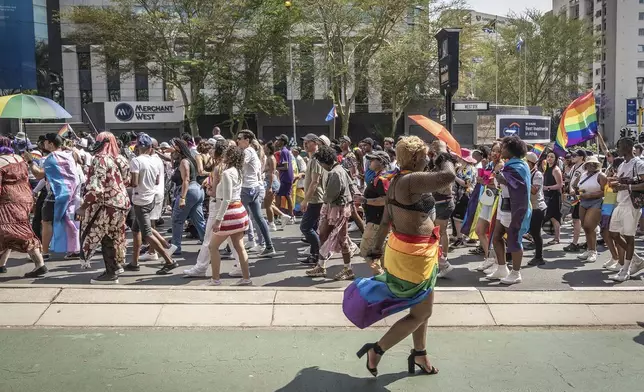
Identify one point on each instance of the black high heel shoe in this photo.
(365, 350)
(411, 363)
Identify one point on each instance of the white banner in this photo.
(143, 112)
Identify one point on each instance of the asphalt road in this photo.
(321, 360)
(563, 270)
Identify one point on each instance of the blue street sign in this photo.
(631, 111)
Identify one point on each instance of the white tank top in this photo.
(590, 183)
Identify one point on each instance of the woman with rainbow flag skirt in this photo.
(410, 262)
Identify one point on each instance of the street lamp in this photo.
(288, 5)
(640, 98)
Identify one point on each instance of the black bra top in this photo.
(424, 205)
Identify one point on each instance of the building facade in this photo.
(618, 28)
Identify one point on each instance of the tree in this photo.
(246, 84)
(407, 64)
(188, 44)
(351, 33)
(559, 51)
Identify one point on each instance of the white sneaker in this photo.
(172, 249)
(584, 255)
(236, 272)
(487, 263)
(250, 245)
(621, 276)
(616, 267)
(610, 263)
(353, 248)
(211, 282)
(257, 249)
(272, 227)
(194, 273)
(501, 272)
(352, 227)
(592, 257)
(512, 278)
(149, 257)
(447, 268)
(243, 282)
(120, 270)
(491, 270)
(636, 266)
(291, 220)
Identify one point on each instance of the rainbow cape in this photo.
(517, 174)
(578, 123)
(61, 173)
(411, 264)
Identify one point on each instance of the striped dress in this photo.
(228, 207)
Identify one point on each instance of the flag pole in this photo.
(335, 115)
(496, 55)
(525, 76)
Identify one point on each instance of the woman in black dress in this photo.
(552, 185)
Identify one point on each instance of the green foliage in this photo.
(192, 42)
(559, 52)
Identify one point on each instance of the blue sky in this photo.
(502, 7)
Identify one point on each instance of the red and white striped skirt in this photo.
(235, 220)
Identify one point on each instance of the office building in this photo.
(618, 28)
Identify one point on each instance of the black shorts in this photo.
(285, 189)
(142, 222)
(47, 211)
(575, 212)
(444, 210)
(461, 208)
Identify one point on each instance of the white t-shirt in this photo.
(160, 167)
(627, 169)
(148, 171)
(252, 169)
(575, 173)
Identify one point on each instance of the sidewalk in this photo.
(150, 306)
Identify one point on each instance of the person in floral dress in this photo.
(105, 207)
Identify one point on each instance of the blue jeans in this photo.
(192, 210)
(309, 227)
(250, 198)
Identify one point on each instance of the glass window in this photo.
(40, 14)
(641, 32)
(640, 48)
(142, 95)
(640, 64)
(641, 15)
(41, 32)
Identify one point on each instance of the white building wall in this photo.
(321, 88)
(128, 87)
(99, 79)
(70, 82)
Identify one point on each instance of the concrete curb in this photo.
(92, 306)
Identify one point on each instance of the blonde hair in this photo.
(407, 150)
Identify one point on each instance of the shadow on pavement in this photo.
(313, 379)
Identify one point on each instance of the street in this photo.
(514, 360)
(562, 272)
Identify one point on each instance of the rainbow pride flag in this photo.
(538, 149)
(578, 123)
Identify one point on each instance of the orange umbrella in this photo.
(439, 131)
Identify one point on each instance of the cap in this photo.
(568, 156)
(283, 138)
(531, 157)
(325, 140)
(580, 153)
(20, 136)
(591, 159)
(144, 140)
(368, 141)
(343, 139)
(382, 156)
(311, 137)
(164, 145)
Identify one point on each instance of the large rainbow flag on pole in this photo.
(578, 123)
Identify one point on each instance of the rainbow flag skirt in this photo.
(411, 268)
